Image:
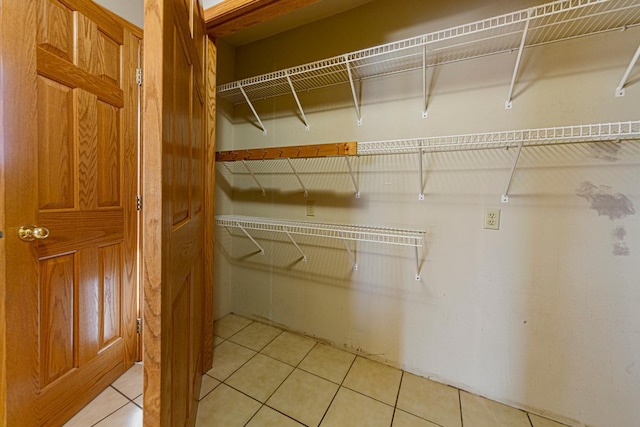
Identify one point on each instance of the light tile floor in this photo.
(265, 377)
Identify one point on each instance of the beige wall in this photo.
(541, 314)
(131, 10)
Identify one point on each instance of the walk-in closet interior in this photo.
(446, 187)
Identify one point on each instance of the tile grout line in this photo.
(460, 405)
(395, 407)
(283, 381)
(338, 390)
(529, 418)
(113, 412)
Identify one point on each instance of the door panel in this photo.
(72, 91)
(173, 217)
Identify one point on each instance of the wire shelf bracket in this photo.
(353, 178)
(253, 110)
(422, 184)
(295, 172)
(620, 88)
(295, 95)
(343, 232)
(425, 87)
(509, 103)
(244, 162)
(356, 101)
(505, 195)
(246, 233)
(354, 264)
(304, 257)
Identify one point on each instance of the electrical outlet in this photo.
(492, 219)
(311, 208)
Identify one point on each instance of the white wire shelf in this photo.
(598, 132)
(535, 26)
(344, 232)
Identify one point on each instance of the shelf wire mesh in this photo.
(360, 233)
(550, 22)
(629, 130)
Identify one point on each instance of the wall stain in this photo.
(606, 150)
(620, 247)
(615, 206)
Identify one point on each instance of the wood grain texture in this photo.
(66, 312)
(209, 206)
(86, 130)
(57, 327)
(19, 95)
(181, 128)
(292, 152)
(155, 13)
(51, 66)
(174, 232)
(3, 276)
(110, 279)
(106, 21)
(109, 155)
(234, 15)
(129, 189)
(56, 147)
(55, 28)
(96, 53)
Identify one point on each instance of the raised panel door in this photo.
(71, 321)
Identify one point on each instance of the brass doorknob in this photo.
(29, 233)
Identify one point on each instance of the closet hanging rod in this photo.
(290, 152)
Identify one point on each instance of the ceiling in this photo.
(305, 15)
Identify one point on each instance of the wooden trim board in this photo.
(231, 16)
(292, 152)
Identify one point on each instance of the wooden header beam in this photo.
(231, 16)
(292, 152)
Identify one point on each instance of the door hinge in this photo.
(139, 76)
(139, 203)
(139, 326)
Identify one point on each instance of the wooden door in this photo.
(174, 210)
(70, 157)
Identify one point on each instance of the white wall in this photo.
(541, 314)
(131, 10)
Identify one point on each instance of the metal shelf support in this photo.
(420, 155)
(353, 90)
(304, 257)
(264, 130)
(244, 162)
(354, 264)
(417, 265)
(246, 233)
(509, 104)
(353, 178)
(425, 87)
(505, 196)
(295, 95)
(620, 89)
(295, 172)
